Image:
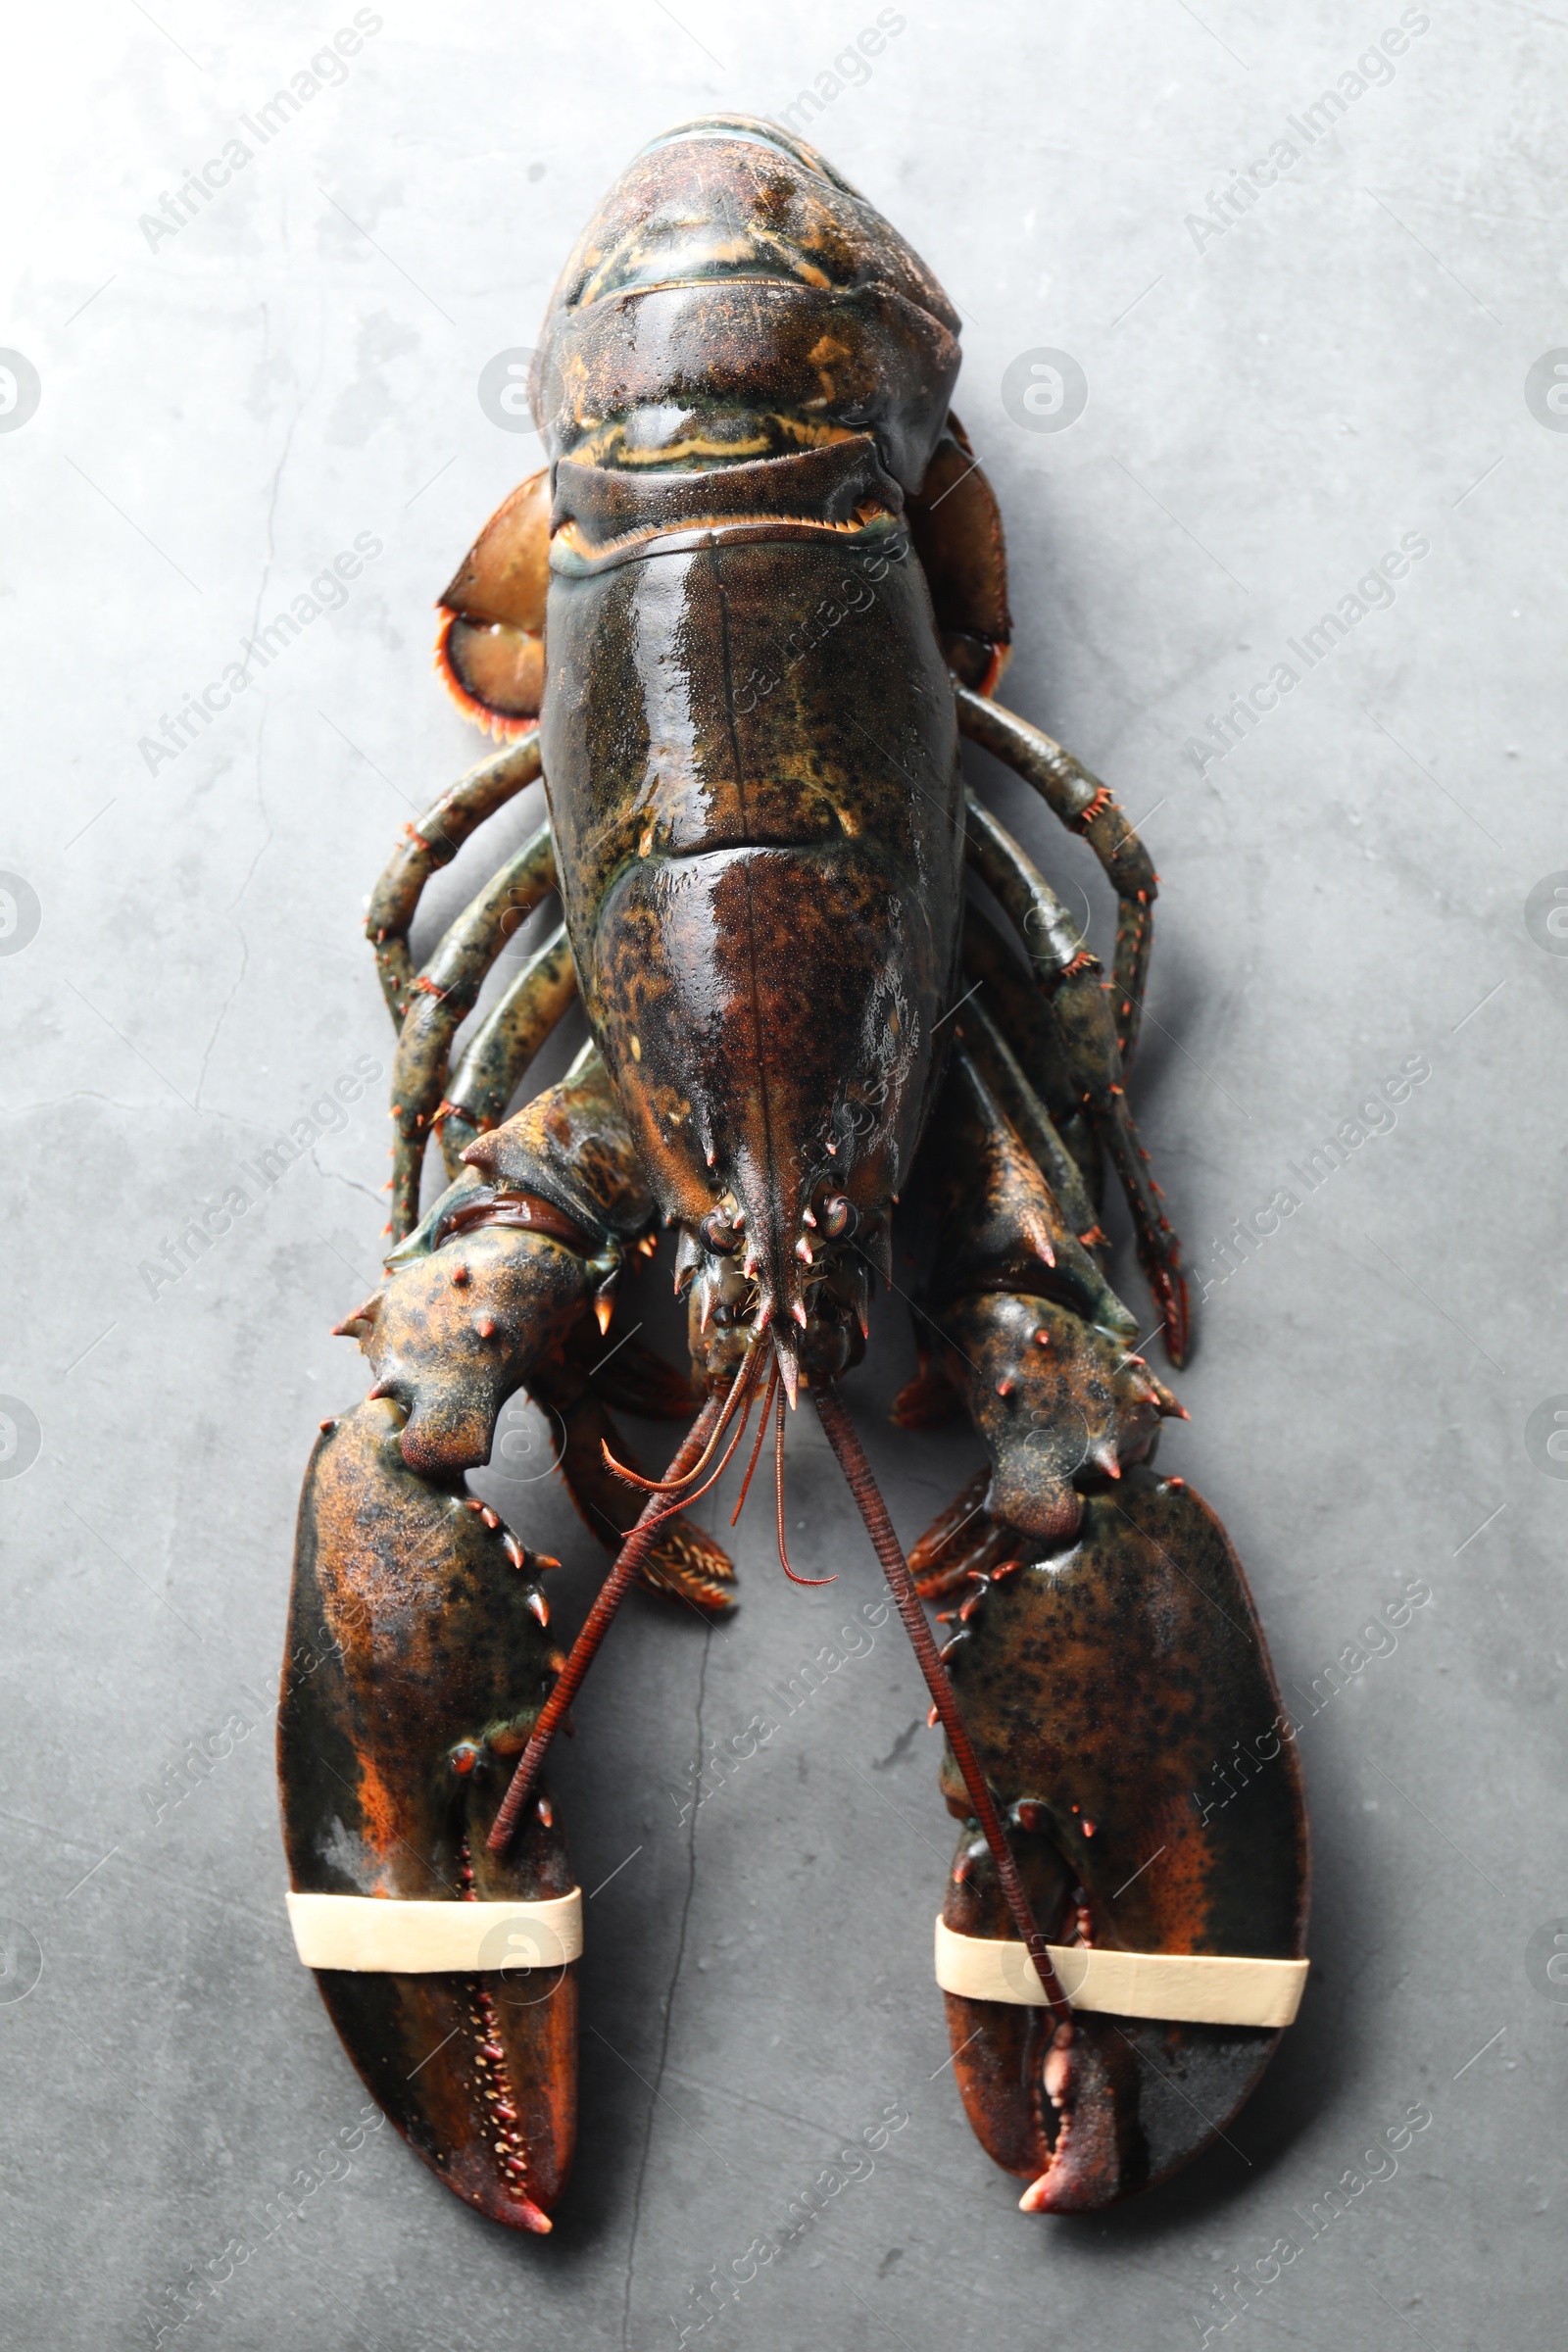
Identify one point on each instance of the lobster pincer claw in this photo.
(416, 1665)
(1110, 1684)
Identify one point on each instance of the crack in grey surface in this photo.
(222, 1012)
(81, 1093)
(900, 1748)
(377, 1201)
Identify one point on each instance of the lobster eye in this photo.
(835, 1215)
(719, 1232)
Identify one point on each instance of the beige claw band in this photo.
(1182, 1987)
(369, 1933)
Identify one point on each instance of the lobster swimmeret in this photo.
(739, 625)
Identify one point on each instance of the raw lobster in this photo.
(739, 625)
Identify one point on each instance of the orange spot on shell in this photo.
(380, 1812)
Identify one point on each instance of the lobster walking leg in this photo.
(1009, 999)
(505, 1044)
(441, 998)
(1070, 977)
(998, 1066)
(1065, 1227)
(1085, 806)
(956, 528)
(682, 1559)
(430, 844)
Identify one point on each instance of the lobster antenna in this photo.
(670, 1483)
(718, 1472)
(842, 1436)
(696, 1445)
(778, 1504)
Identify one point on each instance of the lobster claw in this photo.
(1108, 1687)
(416, 1665)
(1091, 2079)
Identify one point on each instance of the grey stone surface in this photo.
(1271, 406)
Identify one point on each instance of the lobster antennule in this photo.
(778, 1506)
(773, 1204)
(757, 1450)
(671, 1484)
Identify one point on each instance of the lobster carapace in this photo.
(739, 625)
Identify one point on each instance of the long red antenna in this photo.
(611, 1592)
(842, 1436)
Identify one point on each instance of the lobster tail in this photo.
(730, 269)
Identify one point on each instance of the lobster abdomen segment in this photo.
(733, 287)
(744, 658)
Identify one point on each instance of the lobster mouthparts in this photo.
(758, 1110)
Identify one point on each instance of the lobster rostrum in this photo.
(739, 625)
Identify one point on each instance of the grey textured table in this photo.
(1351, 352)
